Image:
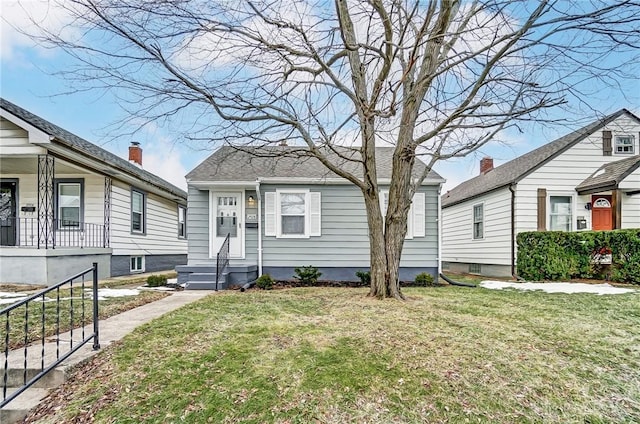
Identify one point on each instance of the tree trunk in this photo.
(377, 255)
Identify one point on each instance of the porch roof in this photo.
(74, 143)
(609, 176)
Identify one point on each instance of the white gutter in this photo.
(259, 227)
(296, 180)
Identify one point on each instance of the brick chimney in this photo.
(135, 153)
(486, 165)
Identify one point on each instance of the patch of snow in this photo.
(161, 288)
(599, 289)
(11, 300)
(12, 294)
(104, 294)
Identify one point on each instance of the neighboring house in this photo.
(586, 180)
(65, 203)
(281, 212)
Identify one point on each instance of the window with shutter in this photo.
(291, 213)
(415, 217)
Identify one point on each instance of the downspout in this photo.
(439, 231)
(512, 189)
(259, 227)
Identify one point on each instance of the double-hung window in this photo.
(69, 198)
(478, 221)
(625, 145)
(560, 216)
(182, 222)
(138, 211)
(292, 213)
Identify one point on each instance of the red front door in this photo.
(601, 212)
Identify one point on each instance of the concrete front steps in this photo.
(203, 277)
(20, 407)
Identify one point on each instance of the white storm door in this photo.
(227, 214)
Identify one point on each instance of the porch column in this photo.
(616, 208)
(107, 212)
(46, 173)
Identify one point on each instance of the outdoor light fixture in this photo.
(251, 201)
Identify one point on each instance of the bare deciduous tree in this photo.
(434, 79)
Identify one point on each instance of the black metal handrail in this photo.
(77, 317)
(24, 232)
(222, 259)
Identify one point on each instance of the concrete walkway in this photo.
(110, 330)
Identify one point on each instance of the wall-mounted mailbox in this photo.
(29, 208)
(581, 223)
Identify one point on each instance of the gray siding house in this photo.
(282, 210)
(65, 203)
(588, 179)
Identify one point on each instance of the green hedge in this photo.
(559, 255)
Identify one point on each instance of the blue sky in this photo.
(27, 78)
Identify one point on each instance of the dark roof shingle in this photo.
(608, 176)
(288, 162)
(516, 169)
(70, 140)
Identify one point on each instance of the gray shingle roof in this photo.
(248, 164)
(608, 176)
(513, 171)
(81, 145)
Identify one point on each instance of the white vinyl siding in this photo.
(161, 225)
(457, 230)
(563, 173)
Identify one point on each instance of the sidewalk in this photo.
(110, 330)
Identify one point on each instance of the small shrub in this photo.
(365, 277)
(264, 282)
(424, 279)
(156, 280)
(307, 275)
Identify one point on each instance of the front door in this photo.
(228, 211)
(601, 212)
(8, 213)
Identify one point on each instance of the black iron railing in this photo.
(222, 259)
(25, 232)
(30, 322)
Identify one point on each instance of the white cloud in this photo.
(21, 17)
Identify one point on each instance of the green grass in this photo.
(75, 309)
(335, 356)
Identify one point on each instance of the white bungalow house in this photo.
(587, 180)
(283, 209)
(66, 203)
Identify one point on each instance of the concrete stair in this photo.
(205, 281)
(18, 408)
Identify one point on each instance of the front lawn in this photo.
(323, 355)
